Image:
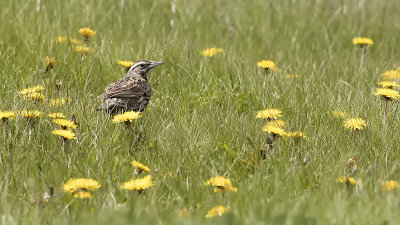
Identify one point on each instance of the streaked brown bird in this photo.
(132, 92)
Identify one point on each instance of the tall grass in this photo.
(199, 104)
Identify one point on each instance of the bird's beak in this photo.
(154, 64)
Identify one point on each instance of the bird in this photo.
(130, 93)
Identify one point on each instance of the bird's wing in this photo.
(128, 88)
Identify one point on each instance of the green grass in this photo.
(199, 104)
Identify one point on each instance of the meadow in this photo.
(201, 120)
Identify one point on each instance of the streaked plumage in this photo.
(132, 92)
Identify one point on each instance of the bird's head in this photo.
(143, 67)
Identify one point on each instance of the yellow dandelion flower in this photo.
(346, 180)
(31, 90)
(221, 183)
(355, 124)
(277, 123)
(267, 65)
(339, 114)
(83, 49)
(74, 41)
(67, 134)
(352, 160)
(61, 39)
(297, 135)
(75, 184)
(210, 52)
(118, 118)
(140, 166)
(138, 184)
(30, 114)
(35, 96)
(387, 94)
(65, 123)
(391, 74)
(388, 84)
(270, 114)
(126, 64)
(389, 185)
(5, 115)
(217, 211)
(56, 115)
(87, 32)
(82, 194)
(274, 130)
(131, 115)
(50, 62)
(125, 117)
(56, 102)
(362, 41)
(292, 76)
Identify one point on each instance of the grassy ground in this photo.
(200, 104)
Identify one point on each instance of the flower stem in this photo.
(384, 114)
(29, 134)
(4, 122)
(65, 149)
(85, 41)
(362, 57)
